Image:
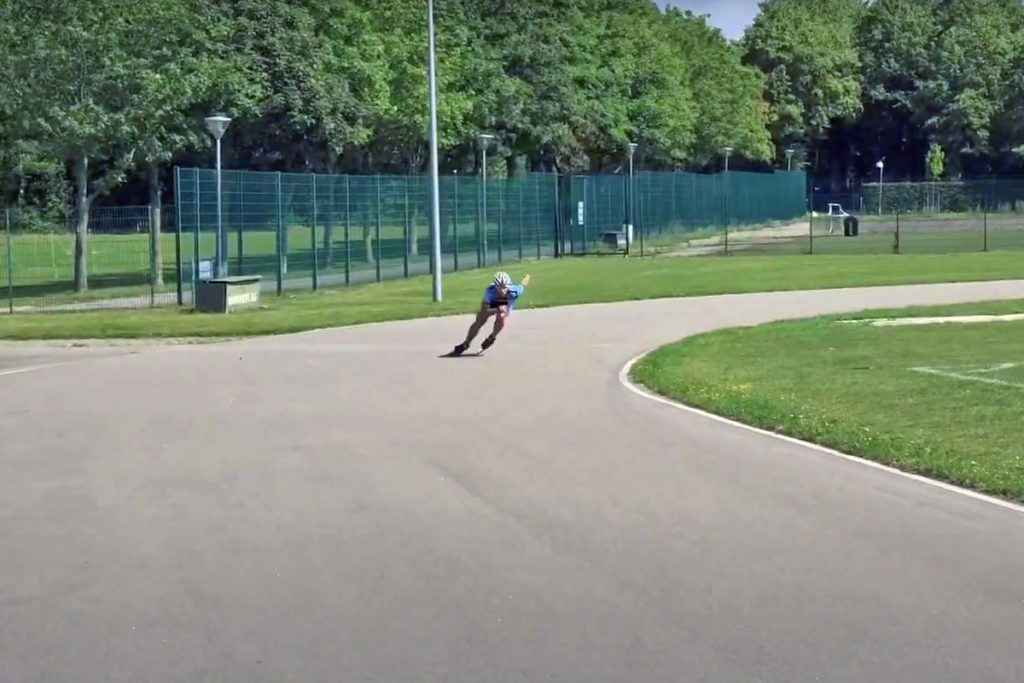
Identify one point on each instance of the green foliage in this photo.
(806, 49)
(936, 161)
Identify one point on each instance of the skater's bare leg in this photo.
(499, 323)
(474, 329)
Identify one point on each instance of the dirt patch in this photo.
(739, 239)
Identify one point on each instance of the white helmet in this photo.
(501, 279)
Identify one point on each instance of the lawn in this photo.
(42, 264)
(556, 282)
(941, 400)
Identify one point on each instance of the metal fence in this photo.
(908, 218)
(307, 231)
(125, 265)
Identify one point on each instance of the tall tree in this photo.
(895, 39)
(807, 52)
(974, 56)
(731, 109)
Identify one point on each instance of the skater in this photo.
(499, 300)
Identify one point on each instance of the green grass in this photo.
(556, 282)
(852, 387)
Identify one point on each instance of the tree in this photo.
(807, 52)
(728, 95)
(935, 161)
(98, 84)
(974, 54)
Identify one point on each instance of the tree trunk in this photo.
(156, 262)
(80, 172)
(368, 231)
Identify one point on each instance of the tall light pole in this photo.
(725, 197)
(217, 124)
(435, 209)
(631, 218)
(484, 139)
(789, 159)
(881, 169)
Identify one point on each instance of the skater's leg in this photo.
(481, 317)
(500, 321)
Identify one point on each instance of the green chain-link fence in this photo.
(306, 231)
(125, 265)
(908, 218)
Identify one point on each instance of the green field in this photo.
(556, 282)
(943, 401)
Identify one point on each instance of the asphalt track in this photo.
(343, 505)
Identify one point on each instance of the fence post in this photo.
(810, 223)
(280, 232)
(348, 227)
(10, 261)
(984, 223)
(405, 229)
(536, 212)
(455, 228)
(476, 227)
(638, 225)
(177, 232)
(378, 228)
(501, 218)
(896, 243)
(725, 209)
(241, 218)
(195, 244)
(316, 255)
(152, 258)
(519, 194)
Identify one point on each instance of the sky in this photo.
(732, 16)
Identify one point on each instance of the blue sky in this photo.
(732, 16)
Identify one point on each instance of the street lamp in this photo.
(217, 125)
(880, 164)
(631, 217)
(789, 159)
(435, 209)
(727, 151)
(484, 139)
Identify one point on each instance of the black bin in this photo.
(850, 228)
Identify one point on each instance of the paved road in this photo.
(344, 505)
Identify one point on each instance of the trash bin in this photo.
(850, 228)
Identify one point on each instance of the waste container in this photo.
(850, 228)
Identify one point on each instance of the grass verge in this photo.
(556, 282)
(854, 387)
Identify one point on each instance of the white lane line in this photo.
(625, 381)
(972, 376)
(30, 368)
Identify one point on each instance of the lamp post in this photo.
(217, 125)
(484, 139)
(789, 159)
(880, 164)
(725, 197)
(435, 210)
(631, 217)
